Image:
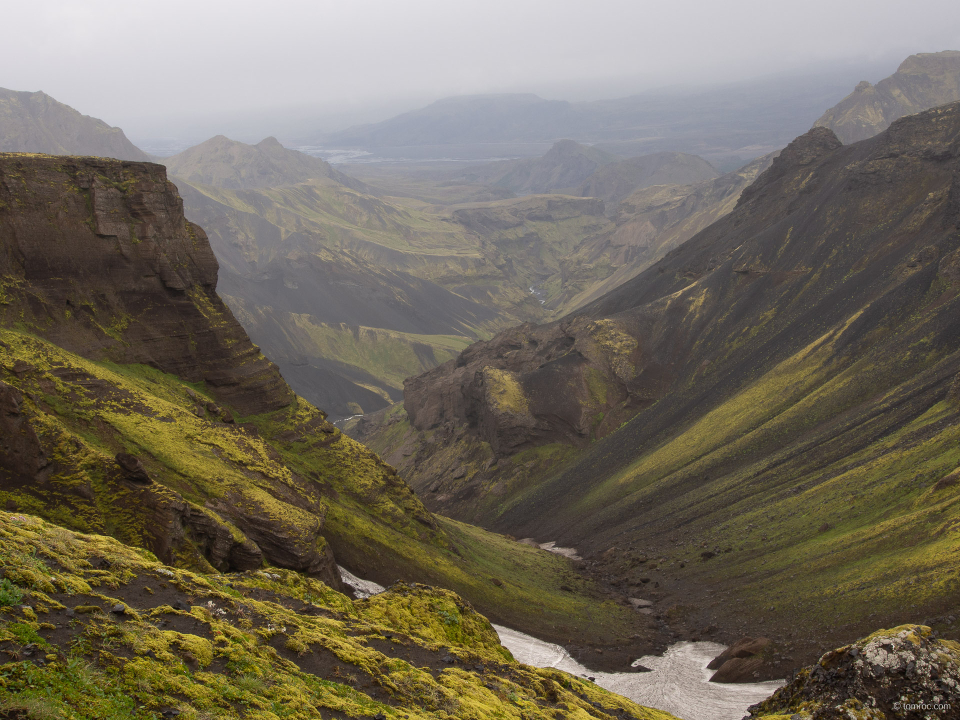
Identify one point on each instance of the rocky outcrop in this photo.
(900, 673)
(921, 82)
(96, 256)
(740, 661)
(34, 122)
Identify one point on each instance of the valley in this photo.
(670, 393)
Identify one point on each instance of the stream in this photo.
(678, 681)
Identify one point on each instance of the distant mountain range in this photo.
(746, 119)
(35, 122)
(922, 81)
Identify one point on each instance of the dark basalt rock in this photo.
(742, 648)
(21, 458)
(118, 273)
(133, 469)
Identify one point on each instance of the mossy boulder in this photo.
(904, 672)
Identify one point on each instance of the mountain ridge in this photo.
(922, 81)
(225, 163)
(35, 122)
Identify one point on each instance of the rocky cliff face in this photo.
(35, 122)
(98, 257)
(921, 82)
(902, 672)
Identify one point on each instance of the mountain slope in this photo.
(779, 390)
(922, 81)
(133, 404)
(350, 293)
(35, 122)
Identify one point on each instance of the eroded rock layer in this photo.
(97, 256)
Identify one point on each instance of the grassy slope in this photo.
(253, 645)
(831, 489)
(373, 522)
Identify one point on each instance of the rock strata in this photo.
(97, 256)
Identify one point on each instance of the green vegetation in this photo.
(505, 392)
(264, 645)
(290, 469)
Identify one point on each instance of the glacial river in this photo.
(678, 681)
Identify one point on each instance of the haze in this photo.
(185, 68)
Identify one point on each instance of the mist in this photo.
(195, 68)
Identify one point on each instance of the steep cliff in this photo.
(97, 258)
(35, 122)
(921, 82)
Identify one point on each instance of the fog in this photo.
(191, 68)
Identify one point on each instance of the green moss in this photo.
(249, 654)
(505, 392)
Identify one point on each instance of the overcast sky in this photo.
(146, 65)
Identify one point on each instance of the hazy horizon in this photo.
(196, 69)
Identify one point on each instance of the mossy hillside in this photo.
(817, 466)
(504, 391)
(313, 487)
(343, 218)
(263, 644)
(387, 356)
(86, 412)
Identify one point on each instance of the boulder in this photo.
(133, 469)
(903, 672)
(742, 648)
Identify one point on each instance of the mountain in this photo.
(562, 167)
(134, 405)
(648, 224)
(351, 293)
(460, 120)
(921, 82)
(224, 163)
(745, 119)
(35, 122)
(615, 181)
(778, 392)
